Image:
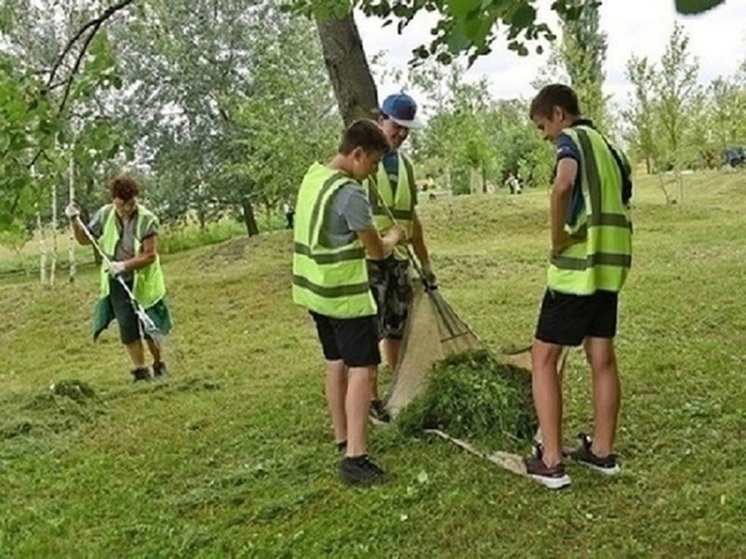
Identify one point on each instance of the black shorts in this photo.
(129, 325)
(567, 319)
(353, 340)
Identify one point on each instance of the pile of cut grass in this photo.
(473, 396)
(34, 423)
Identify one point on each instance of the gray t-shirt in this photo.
(125, 249)
(348, 213)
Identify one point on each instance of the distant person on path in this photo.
(513, 184)
(289, 212)
(333, 232)
(127, 233)
(591, 254)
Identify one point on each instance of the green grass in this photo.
(233, 456)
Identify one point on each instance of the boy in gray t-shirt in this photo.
(347, 330)
(350, 211)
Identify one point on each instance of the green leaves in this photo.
(26, 125)
(469, 26)
(465, 26)
(690, 7)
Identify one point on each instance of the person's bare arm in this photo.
(564, 182)
(379, 247)
(78, 232)
(418, 241)
(147, 255)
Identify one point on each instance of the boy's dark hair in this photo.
(555, 95)
(366, 134)
(124, 188)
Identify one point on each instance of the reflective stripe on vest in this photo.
(148, 285)
(602, 259)
(401, 201)
(332, 281)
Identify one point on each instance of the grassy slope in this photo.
(232, 455)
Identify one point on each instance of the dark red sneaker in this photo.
(552, 477)
(606, 465)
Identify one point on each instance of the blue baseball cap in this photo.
(402, 109)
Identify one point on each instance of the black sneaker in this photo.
(140, 373)
(606, 465)
(553, 478)
(378, 412)
(360, 470)
(159, 369)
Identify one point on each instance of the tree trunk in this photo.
(348, 69)
(42, 250)
(680, 180)
(249, 218)
(53, 263)
(648, 166)
(474, 181)
(71, 198)
(662, 186)
(201, 213)
(201, 217)
(484, 180)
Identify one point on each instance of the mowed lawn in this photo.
(232, 455)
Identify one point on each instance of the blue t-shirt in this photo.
(391, 163)
(566, 148)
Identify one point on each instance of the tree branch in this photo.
(95, 23)
(94, 26)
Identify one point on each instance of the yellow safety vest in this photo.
(331, 281)
(149, 286)
(401, 203)
(601, 261)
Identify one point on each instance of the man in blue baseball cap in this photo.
(402, 110)
(394, 186)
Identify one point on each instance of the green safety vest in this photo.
(148, 285)
(331, 281)
(603, 260)
(401, 203)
